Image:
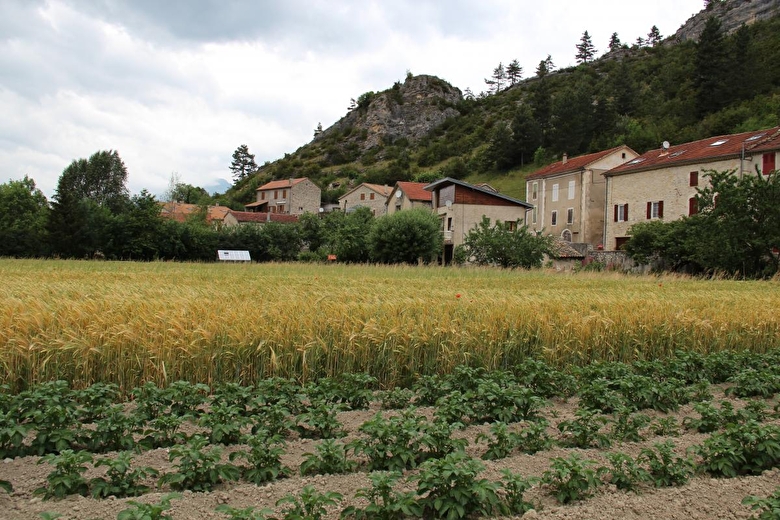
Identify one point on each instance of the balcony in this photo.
(447, 237)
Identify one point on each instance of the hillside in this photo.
(679, 90)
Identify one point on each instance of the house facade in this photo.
(365, 195)
(461, 207)
(663, 183)
(407, 195)
(180, 212)
(569, 195)
(242, 218)
(288, 197)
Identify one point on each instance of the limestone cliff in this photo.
(732, 14)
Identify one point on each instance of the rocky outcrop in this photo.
(732, 14)
(410, 111)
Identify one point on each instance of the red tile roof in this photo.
(572, 165)
(277, 185)
(382, 190)
(704, 150)
(414, 190)
(259, 218)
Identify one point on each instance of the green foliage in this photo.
(122, 480)
(67, 477)
(449, 488)
(330, 457)
(309, 505)
(6, 486)
(406, 237)
(625, 472)
(665, 468)
(515, 486)
(585, 430)
(24, 211)
(391, 444)
(741, 449)
(225, 423)
(264, 458)
(397, 398)
(243, 163)
(319, 422)
(248, 513)
(502, 246)
(768, 508)
(384, 502)
(198, 469)
(572, 478)
(142, 511)
(351, 391)
(500, 442)
(626, 425)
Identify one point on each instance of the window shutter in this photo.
(661, 209)
(649, 210)
(693, 206)
(625, 212)
(616, 212)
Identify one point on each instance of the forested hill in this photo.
(719, 74)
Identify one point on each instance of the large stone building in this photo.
(365, 195)
(290, 197)
(663, 183)
(569, 195)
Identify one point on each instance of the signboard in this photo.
(233, 256)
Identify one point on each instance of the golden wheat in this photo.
(131, 322)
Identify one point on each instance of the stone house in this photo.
(569, 195)
(407, 195)
(180, 212)
(365, 195)
(461, 207)
(662, 183)
(289, 197)
(241, 218)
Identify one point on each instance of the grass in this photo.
(134, 322)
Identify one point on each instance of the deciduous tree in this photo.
(406, 237)
(23, 214)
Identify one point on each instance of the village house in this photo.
(663, 183)
(407, 195)
(569, 195)
(289, 197)
(241, 218)
(461, 207)
(181, 212)
(365, 195)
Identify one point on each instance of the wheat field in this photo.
(129, 323)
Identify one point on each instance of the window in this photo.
(555, 193)
(262, 195)
(371, 196)
(534, 190)
(655, 210)
(449, 223)
(571, 190)
(554, 218)
(276, 194)
(620, 242)
(621, 212)
(570, 216)
(694, 179)
(533, 215)
(284, 194)
(769, 163)
(362, 196)
(693, 206)
(281, 208)
(511, 225)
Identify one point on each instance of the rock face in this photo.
(732, 14)
(409, 110)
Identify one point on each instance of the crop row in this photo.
(132, 323)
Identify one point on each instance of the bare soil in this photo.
(702, 498)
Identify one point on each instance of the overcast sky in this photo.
(177, 85)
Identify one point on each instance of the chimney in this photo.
(565, 158)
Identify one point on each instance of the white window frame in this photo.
(621, 213)
(570, 216)
(654, 209)
(571, 190)
(555, 193)
(554, 218)
(534, 190)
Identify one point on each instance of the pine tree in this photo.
(585, 49)
(614, 42)
(654, 36)
(243, 163)
(711, 63)
(545, 67)
(496, 81)
(513, 72)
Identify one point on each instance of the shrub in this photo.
(572, 478)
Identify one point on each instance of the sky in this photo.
(175, 86)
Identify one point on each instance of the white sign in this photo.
(234, 256)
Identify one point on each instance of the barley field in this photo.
(129, 323)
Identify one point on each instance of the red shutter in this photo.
(661, 209)
(616, 212)
(693, 206)
(769, 163)
(649, 210)
(694, 179)
(625, 213)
